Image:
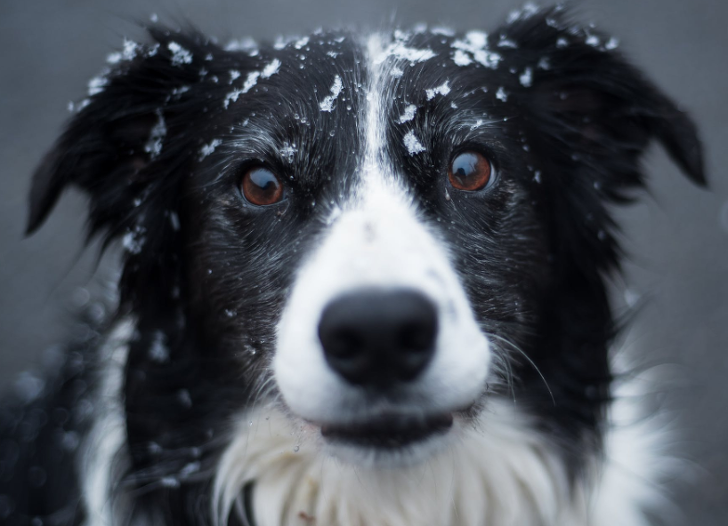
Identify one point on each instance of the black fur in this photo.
(207, 273)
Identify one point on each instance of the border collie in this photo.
(364, 283)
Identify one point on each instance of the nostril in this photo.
(375, 336)
(342, 343)
(418, 336)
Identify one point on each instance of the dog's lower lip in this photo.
(388, 431)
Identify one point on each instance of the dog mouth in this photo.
(388, 431)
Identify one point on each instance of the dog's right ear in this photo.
(124, 143)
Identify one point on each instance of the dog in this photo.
(364, 282)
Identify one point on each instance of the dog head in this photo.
(375, 236)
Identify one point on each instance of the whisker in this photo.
(528, 359)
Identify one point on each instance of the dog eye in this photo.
(261, 187)
(469, 171)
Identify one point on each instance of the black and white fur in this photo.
(201, 400)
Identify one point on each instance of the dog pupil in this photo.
(464, 165)
(265, 180)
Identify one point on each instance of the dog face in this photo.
(375, 237)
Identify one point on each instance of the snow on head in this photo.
(501, 94)
(271, 69)
(134, 239)
(413, 145)
(250, 81)
(127, 53)
(399, 50)
(613, 43)
(207, 149)
(507, 43)
(412, 55)
(593, 40)
(461, 58)
(282, 42)
(96, 85)
(474, 48)
(409, 113)
(444, 31)
(156, 137)
(231, 97)
(529, 9)
(526, 78)
(443, 89)
(179, 54)
(328, 103)
(288, 152)
(158, 350)
(243, 44)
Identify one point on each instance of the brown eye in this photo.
(469, 171)
(261, 187)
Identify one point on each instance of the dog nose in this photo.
(379, 337)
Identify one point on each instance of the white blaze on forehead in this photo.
(374, 122)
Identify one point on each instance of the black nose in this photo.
(379, 337)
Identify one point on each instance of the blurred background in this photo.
(677, 236)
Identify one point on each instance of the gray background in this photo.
(677, 236)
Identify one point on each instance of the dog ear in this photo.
(585, 94)
(115, 143)
(129, 148)
(593, 116)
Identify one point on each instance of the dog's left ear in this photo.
(596, 109)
